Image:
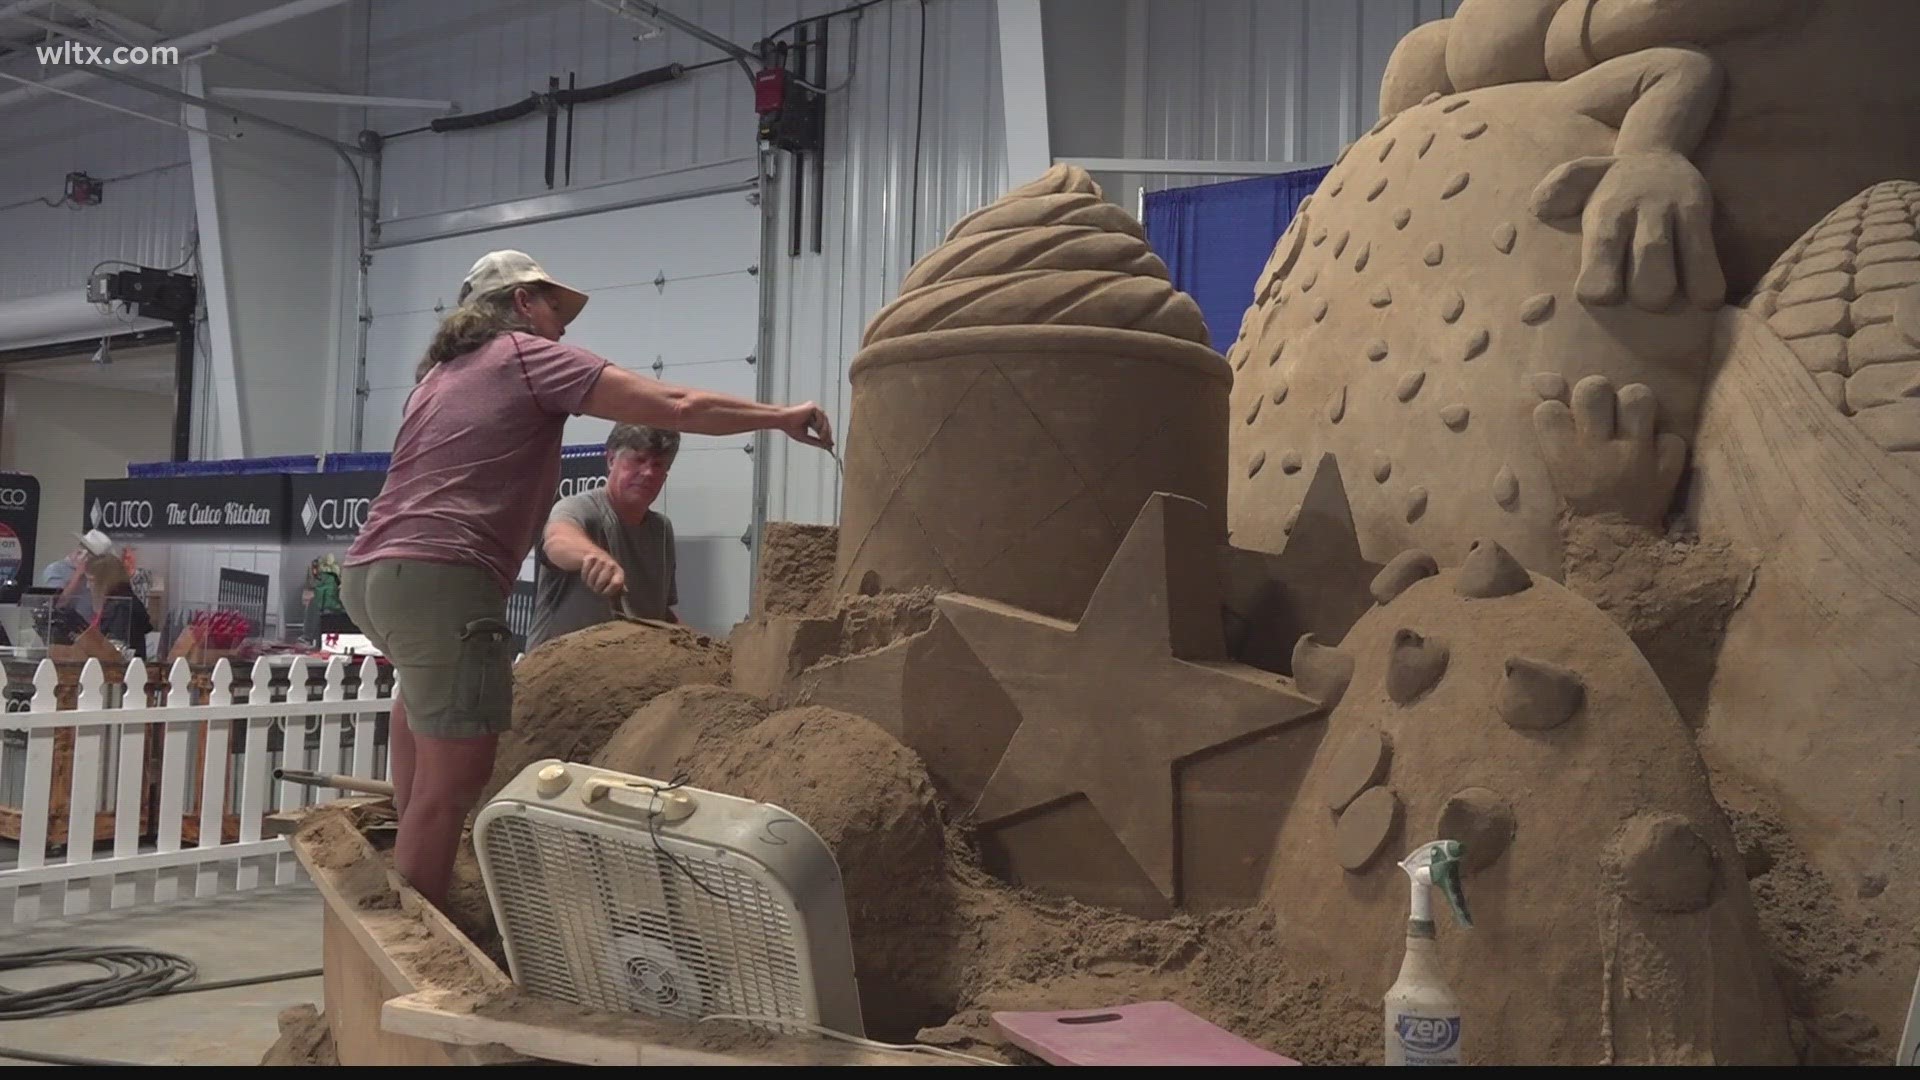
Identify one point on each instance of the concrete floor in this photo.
(265, 931)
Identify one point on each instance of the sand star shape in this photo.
(1111, 706)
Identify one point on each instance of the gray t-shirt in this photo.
(563, 603)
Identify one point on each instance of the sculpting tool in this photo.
(334, 780)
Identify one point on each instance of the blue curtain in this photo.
(232, 467)
(1215, 239)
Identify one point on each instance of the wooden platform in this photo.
(405, 987)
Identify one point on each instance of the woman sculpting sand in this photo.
(474, 469)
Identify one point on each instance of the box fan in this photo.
(624, 894)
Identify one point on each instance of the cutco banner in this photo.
(581, 473)
(188, 507)
(19, 524)
(333, 506)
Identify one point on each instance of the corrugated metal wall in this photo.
(887, 126)
(147, 214)
(1269, 80)
(494, 53)
(880, 130)
(1220, 80)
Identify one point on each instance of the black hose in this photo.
(132, 974)
(60, 1059)
(515, 111)
(638, 81)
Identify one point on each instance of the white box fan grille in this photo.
(602, 901)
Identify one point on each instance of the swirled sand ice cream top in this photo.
(1052, 252)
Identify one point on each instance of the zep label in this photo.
(1429, 1040)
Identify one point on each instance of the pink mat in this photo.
(1150, 1033)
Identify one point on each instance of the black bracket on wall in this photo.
(793, 117)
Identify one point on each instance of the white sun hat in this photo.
(498, 270)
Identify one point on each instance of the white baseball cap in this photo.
(96, 542)
(498, 270)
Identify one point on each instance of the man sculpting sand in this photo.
(607, 546)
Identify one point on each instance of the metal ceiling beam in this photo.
(226, 110)
(357, 101)
(115, 108)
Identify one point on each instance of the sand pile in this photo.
(796, 569)
(305, 1039)
(1672, 594)
(866, 795)
(939, 944)
(570, 694)
(1021, 951)
(1828, 943)
(771, 652)
(663, 737)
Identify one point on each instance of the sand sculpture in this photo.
(1556, 191)
(1036, 380)
(1617, 293)
(1536, 297)
(1493, 706)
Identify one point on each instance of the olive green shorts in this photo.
(444, 629)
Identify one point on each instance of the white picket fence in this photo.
(136, 768)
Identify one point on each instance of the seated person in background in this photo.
(607, 547)
(119, 614)
(68, 575)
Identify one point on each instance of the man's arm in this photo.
(624, 397)
(568, 547)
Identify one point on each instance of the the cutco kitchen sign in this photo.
(189, 507)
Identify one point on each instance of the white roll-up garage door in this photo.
(674, 296)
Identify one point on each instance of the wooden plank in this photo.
(353, 881)
(354, 989)
(555, 1031)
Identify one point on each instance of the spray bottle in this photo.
(1423, 1017)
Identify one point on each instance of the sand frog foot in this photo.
(1606, 452)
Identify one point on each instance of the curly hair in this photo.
(478, 320)
(643, 438)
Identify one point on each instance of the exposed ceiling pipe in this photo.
(743, 56)
(212, 35)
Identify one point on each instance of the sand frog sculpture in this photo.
(1592, 249)
(1502, 298)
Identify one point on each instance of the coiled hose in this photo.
(132, 974)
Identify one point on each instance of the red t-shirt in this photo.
(477, 460)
